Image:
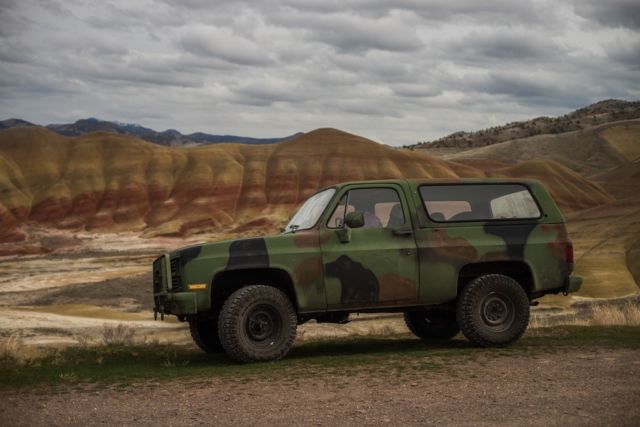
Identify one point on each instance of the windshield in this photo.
(310, 212)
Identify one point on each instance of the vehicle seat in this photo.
(437, 216)
(396, 217)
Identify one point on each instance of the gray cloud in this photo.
(397, 71)
(612, 13)
(504, 45)
(224, 44)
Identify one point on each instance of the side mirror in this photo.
(354, 219)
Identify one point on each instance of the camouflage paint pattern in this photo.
(414, 264)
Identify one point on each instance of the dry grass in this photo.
(118, 335)
(627, 314)
(13, 349)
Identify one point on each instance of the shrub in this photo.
(117, 335)
(13, 349)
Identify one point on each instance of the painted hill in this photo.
(587, 151)
(607, 111)
(109, 182)
(169, 137)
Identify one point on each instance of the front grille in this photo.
(157, 275)
(176, 284)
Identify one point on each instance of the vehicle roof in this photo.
(420, 181)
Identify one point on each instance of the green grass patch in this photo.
(121, 365)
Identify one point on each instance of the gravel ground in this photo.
(573, 387)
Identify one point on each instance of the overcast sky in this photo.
(394, 71)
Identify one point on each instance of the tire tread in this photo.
(231, 311)
(465, 309)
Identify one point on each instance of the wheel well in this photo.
(227, 282)
(517, 270)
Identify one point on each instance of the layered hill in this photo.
(588, 151)
(602, 112)
(109, 182)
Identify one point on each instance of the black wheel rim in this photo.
(263, 324)
(497, 311)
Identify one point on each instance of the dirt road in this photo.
(571, 387)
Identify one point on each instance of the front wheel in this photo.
(205, 334)
(432, 324)
(493, 310)
(257, 323)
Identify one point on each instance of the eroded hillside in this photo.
(109, 182)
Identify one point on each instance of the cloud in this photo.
(504, 45)
(398, 72)
(224, 44)
(611, 13)
(353, 33)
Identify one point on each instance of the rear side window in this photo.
(478, 202)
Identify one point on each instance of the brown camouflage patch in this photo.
(559, 244)
(309, 271)
(441, 247)
(306, 239)
(396, 288)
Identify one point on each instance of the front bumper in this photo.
(572, 284)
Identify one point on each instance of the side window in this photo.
(515, 205)
(381, 208)
(478, 202)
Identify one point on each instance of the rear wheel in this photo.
(493, 310)
(205, 334)
(434, 324)
(257, 323)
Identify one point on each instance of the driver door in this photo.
(375, 265)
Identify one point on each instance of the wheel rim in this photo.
(263, 324)
(497, 311)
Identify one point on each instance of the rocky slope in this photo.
(596, 114)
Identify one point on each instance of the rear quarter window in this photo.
(478, 202)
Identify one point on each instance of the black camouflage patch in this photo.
(515, 236)
(189, 253)
(248, 253)
(359, 284)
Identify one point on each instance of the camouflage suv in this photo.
(466, 255)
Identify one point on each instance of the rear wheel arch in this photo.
(520, 271)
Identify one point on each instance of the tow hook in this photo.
(155, 314)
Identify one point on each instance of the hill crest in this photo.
(611, 110)
(169, 137)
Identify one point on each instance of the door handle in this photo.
(402, 231)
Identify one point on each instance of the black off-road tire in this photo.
(493, 310)
(205, 334)
(257, 323)
(432, 324)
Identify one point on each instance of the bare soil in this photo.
(572, 387)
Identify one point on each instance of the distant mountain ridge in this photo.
(610, 110)
(169, 137)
